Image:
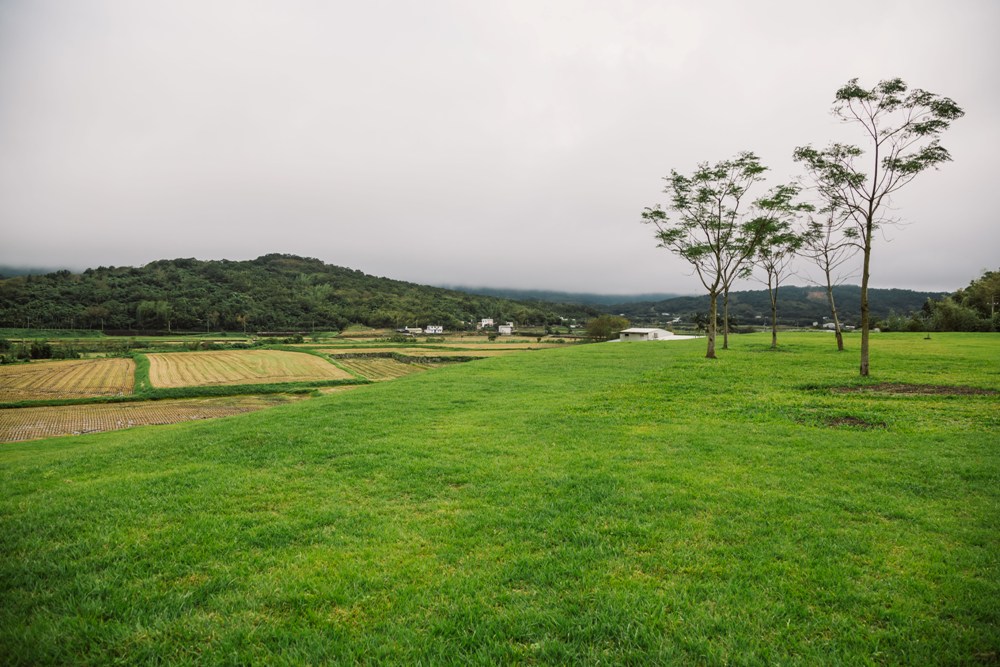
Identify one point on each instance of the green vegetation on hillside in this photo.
(270, 293)
(799, 306)
(972, 308)
(614, 504)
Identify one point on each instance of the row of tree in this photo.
(715, 222)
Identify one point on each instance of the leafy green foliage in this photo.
(902, 128)
(972, 308)
(270, 293)
(606, 327)
(800, 306)
(714, 228)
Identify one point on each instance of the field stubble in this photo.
(43, 422)
(77, 378)
(184, 369)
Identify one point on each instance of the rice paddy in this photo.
(187, 369)
(76, 378)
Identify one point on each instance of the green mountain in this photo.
(796, 305)
(551, 296)
(273, 292)
(10, 271)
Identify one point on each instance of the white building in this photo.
(434, 329)
(506, 329)
(645, 334)
(485, 322)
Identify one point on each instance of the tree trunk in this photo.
(713, 306)
(833, 312)
(865, 314)
(773, 293)
(725, 319)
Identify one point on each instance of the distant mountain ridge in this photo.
(555, 296)
(796, 304)
(11, 271)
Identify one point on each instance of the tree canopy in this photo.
(273, 292)
(901, 129)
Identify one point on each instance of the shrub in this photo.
(40, 349)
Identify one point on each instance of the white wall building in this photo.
(645, 334)
(434, 329)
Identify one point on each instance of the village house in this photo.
(638, 334)
(434, 329)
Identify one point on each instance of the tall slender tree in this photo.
(830, 243)
(779, 245)
(715, 225)
(901, 127)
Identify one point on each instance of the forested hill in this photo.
(273, 292)
(796, 305)
(550, 296)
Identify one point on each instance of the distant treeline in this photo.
(798, 306)
(273, 292)
(972, 308)
(550, 296)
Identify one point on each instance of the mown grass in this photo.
(612, 504)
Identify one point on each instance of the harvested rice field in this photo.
(73, 378)
(188, 369)
(377, 369)
(451, 351)
(29, 423)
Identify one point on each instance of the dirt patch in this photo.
(44, 422)
(914, 389)
(854, 422)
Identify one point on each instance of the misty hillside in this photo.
(273, 292)
(553, 296)
(796, 305)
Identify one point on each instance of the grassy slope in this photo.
(608, 503)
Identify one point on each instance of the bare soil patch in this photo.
(43, 422)
(914, 389)
(851, 421)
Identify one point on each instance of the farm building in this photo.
(485, 323)
(645, 334)
(434, 329)
(506, 329)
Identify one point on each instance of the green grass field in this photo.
(602, 504)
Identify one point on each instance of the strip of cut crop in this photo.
(75, 378)
(377, 369)
(29, 423)
(183, 369)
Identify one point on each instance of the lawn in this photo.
(602, 504)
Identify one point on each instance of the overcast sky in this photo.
(464, 142)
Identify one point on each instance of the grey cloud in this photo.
(452, 142)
